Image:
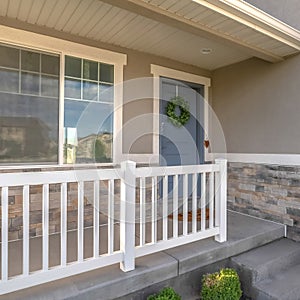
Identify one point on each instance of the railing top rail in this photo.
(176, 170)
(56, 177)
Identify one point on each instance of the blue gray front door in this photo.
(181, 145)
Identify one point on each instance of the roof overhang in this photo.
(173, 29)
(232, 21)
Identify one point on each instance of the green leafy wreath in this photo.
(183, 118)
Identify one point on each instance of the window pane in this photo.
(28, 129)
(72, 88)
(88, 123)
(30, 61)
(90, 70)
(106, 73)
(73, 67)
(94, 130)
(50, 64)
(9, 81)
(49, 86)
(9, 57)
(30, 83)
(29, 107)
(106, 93)
(90, 91)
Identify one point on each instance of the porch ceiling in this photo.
(176, 29)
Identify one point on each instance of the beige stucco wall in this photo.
(138, 66)
(258, 105)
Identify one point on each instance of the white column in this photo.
(221, 200)
(127, 215)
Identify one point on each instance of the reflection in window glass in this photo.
(88, 121)
(49, 86)
(28, 108)
(93, 124)
(9, 81)
(9, 57)
(90, 90)
(106, 73)
(106, 93)
(30, 61)
(73, 88)
(90, 70)
(73, 67)
(50, 65)
(30, 83)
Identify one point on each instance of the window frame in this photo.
(37, 42)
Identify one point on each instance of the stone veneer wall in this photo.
(270, 192)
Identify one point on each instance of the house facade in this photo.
(86, 85)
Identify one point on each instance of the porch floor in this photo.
(244, 233)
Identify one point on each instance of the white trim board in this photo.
(159, 71)
(257, 158)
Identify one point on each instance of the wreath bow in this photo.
(183, 117)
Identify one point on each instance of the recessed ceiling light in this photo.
(206, 51)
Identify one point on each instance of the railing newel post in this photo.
(127, 215)
(221, 207)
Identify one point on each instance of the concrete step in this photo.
(284, 286)
(265, 263)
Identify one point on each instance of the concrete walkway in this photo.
(244, 233)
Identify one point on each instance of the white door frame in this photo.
(159, 71)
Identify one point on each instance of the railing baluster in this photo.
(26, 230)
(110, 230)
(175, 206)
(4, 234)
(203, 201)
(211, 199)
(45, 227)
(142, 211)
(165, 207)
(194, 203)
(63, 223)
(185, 204)
(80, 220)
(96, 218)
(154, 210)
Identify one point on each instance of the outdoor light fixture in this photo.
(206, 51)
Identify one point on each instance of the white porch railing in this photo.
(157, 208)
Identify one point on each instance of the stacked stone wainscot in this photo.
(270, 192)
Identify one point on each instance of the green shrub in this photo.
(165, 294)
(223, 285)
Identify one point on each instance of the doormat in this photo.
(190, 215)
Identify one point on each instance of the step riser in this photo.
(246, 276)
(261, 295)
(272, 268)
(263, 264)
